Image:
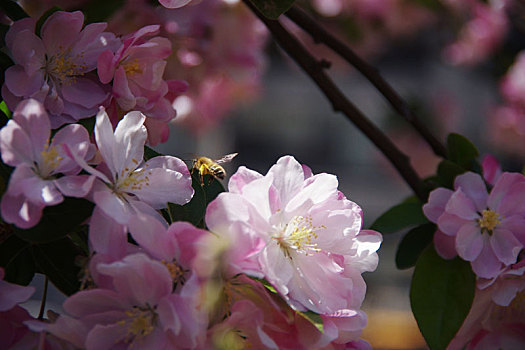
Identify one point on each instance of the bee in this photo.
(205, 165)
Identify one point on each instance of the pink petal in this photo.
(61, 30)
(242, 177)
(317, 189)
(75, 186)
(288, 177)
(450, 224)
(106, 236)
(122, 91)
(154, 277)
(16, 145)
(19, 211)
(168, 180)
(502, 188)
(106, 142)
(173, 4)
(27, 24)
(20, 84)
(33, 119)
(152, 235)
(506, 247)
(514, 201)
(445, 245)
(469, 241)
(461, 205)
(130, 137)
(437, 201)
(13, 294)
(105, 67)
(112, 205)
(474, 188)
(486, 265)
(491, 169)
(88, 302)
(85, 92)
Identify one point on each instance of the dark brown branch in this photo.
(315, 69)
(320, 35)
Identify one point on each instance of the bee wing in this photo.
(227, 158)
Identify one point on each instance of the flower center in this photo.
(141, 321)
(63, 67)
(50, 161)
(129, 181)
(489, 220)
(298, 235)
(176, 271)
(132, 67)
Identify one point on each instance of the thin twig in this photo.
(315, 69)
(43, 302)
(320, 35)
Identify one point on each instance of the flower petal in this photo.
(505, 246)
(469, 241)
(473, 187)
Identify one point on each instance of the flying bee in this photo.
(205, 165)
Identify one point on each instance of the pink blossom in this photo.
(494, 322)
(487, 228)
(125, 184)
(36, 181)
(299, 233)
(55, 69)
(173, 4)
(137, 70)
(513, 83)
(491, 169)
(139, 310)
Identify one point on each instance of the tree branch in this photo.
(315, 70)
(320, 35)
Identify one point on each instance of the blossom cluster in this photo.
(178, 286)
(486, 229)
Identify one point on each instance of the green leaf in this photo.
(58, 221)
(412, 244)
(150, 153)
(3, 31)
(44, 17)
(399, 217)
(461, 151)
(12, 10)
(195, 210)
(57, 261)
(272, 8)
(314, 319)
(89, 124)
(6, 113)
(441, 295)
(447, 172)
(17, 261)
(100, 10)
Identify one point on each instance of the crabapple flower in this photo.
(36, 182)
(496, 319)
(126, 185)
(138, 310)
(174, 4)
(137, 69)
(487, 228)
(297, 231)
(55, 68)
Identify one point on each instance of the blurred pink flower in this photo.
(138, 310)
(55, 69)
(513, 83)
(36, 181)
(487, 228)
(297, 231)
(497, 317)
(481, 35)
(125, 184)
(173, 4)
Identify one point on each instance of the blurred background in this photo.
(457, 63)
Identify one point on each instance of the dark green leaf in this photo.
(447, 172)
(12, 10)
(17, 261)
(461, 151)
(100, 10)
(412, 244)
(194, 211)
(44, 17)
(272, 8)
(58, 221)
(314, 319)
(5, 115)
(3, 31)
(88, 123)
(441, 295)
(399, 217)
(150, 153)
(57, 261)
(5, 62)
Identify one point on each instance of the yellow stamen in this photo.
(132, 67)
(140, 323)
(489, 220)
(298, 235)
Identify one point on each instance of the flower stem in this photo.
(321, 35)
(315, 70)
(44, 297)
